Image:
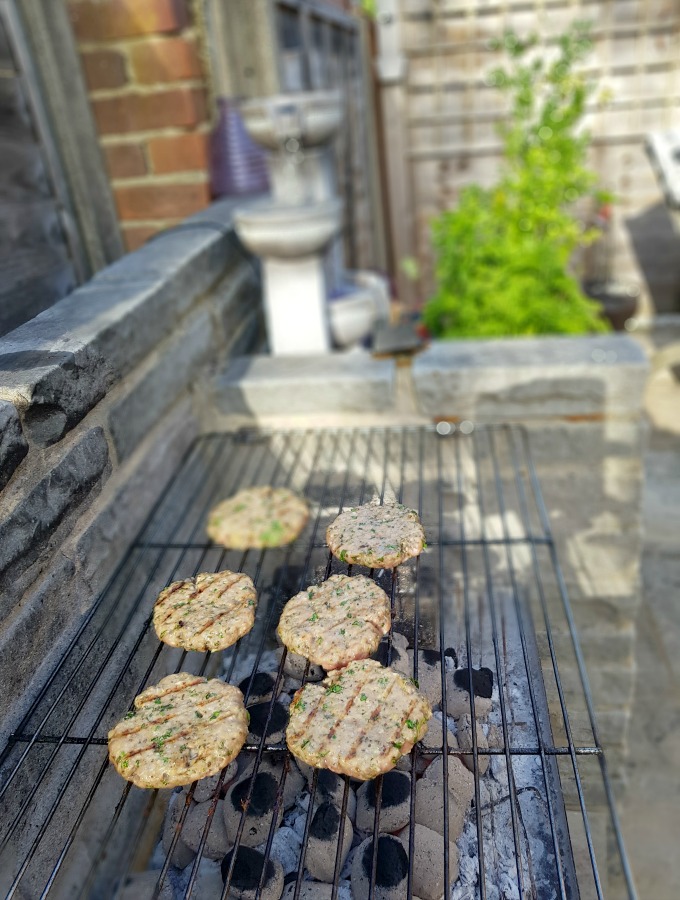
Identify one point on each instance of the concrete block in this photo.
(340, 382)
(36, 507)
(168, 374)
(556, 442)
(13, 444)
(525, 378)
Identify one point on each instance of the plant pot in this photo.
(618, 300)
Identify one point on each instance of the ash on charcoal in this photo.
(399, 641)
(391, 871)
(458, 692)
(244, 665)
(182, 855)
(325, 822)
(329, 786)
(285, 849)
(263, 795)
(309, 890)
(295, 666)
(273, 764)
(395, 802)
(141, 885)
(261, 688)
(451, 654)
(464, 736)
(217, 843)
(258, 720)
(259, 812)
(324, 838)
(397, 658)
(248, 872)
(430, 797)
(428, 862)
(205, 788)
(482, 681)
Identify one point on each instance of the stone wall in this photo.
(96, 411)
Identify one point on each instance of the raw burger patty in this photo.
(376, 536)
(206, 612)
(337, 621)
(184, 728)
(258, 517)
(359, 721)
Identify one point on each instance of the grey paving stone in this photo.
(132, 417)
(29, 519)
(13, 444)
(276, 385)
(531, 377)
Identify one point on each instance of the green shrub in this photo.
(503, 254)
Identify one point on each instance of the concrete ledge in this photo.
(58, 366)
(531, 377)
(298, 385)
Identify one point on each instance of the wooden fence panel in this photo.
(451, 114)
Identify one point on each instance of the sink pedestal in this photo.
(296, 322)
(311, 302)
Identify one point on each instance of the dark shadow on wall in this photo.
(657, 249)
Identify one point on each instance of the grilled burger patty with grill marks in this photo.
(376, 536)
(359, 721)
(337, 621)
(258, 517)
(210, 611)
(184, 728)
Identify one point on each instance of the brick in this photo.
(161, 201)
(94, 20)
(179, 107)
(136, 236)
(104, 69)
(32, 515)
(165, 60)
(125, 160)
(13, 444)
(157, 389)
(180, 153)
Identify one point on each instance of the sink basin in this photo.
(311, 117)
(288, 232)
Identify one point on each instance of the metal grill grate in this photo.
(488, 585)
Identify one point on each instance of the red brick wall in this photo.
(148, 93)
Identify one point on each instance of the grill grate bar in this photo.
(84, 808)
(530, 680)
(332, 467)
(280, 747)
(585, 684)
(501, 693)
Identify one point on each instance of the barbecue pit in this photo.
(542, 823)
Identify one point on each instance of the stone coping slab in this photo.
(57, 367)
(531, 377)
(260, 386)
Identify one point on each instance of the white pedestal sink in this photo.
(287, 232)
(309, 117)
(295, 231)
